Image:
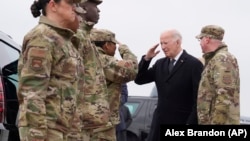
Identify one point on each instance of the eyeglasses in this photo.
(207, 37)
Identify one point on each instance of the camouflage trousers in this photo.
(32, 134)
(99, 135)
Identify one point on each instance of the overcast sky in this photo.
(138, 23)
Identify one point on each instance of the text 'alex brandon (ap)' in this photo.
(218, 131)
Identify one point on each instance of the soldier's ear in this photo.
(53, 5)
(105, 46)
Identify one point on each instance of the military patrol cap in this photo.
(75, 1)
(212, 31)
(94, 1)
(102, 35)
(79, 9)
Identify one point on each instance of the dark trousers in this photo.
(121, 135)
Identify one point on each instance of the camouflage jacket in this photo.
(118, 72)
(219, 89)
(48, 71)
(95, 106)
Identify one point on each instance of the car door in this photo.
(152, 103)
(9, 54)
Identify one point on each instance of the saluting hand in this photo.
(152, 52)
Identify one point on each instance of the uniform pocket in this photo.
(96, 114)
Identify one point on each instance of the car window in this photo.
(154, 92)
(8, 53)
(132, 107)
(10, 72)
(14, 79)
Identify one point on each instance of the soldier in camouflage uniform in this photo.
(219, 89)
(116, 71)
(48, 69)
(95, 106)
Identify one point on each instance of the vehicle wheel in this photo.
(132, 137)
